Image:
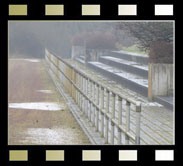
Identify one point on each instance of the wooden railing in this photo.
(98, 102)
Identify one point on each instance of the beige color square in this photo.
(90, 10)
(91, 155)
(127, 10)
(54, 10)
(164, 155)
(163, 10)
(15, 10)
(127, 155)
(55, 155)
(18, 155)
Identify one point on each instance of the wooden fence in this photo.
(95, 99)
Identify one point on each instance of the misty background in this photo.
(30, 38)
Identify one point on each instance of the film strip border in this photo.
(117, 156)
(100, 155)
(96, 9)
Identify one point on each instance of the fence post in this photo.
(138, 112)
(90, 109)
(79, 91)
(84, 92)
(82, 87)
(90, 82)
(97, 110)
(107, 111)
(57, 68)
(127, 121)
(76, 88)
(94, 102)
(119, 118)
(72, 87)
(87, 93)
(112, 117)
(77, 80)
(102, 114)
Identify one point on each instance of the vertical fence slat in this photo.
(119, 118)
(87, 101)
(102, 114)
(138, 111)
(93, 105)
(127, 122)
(112, 117)
(107, 111)
(97, 110)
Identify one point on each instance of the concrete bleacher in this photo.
(126, 65)
(129, 69)
(130, 56)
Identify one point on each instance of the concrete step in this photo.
(131, 81)
(167, 101)
(129, 66)
(80, 60)
(130, 56)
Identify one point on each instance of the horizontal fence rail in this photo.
(102, 106)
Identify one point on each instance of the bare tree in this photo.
(147, 33)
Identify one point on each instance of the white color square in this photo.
(162, 10)
(127, 10)
(164, 155)
(127, 155)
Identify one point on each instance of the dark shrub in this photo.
(161, 52)
(101, 40)
(95, 40)
(78, 39)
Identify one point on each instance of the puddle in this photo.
(30, 60)
(50, 136)
(45, 106)
(45, 91)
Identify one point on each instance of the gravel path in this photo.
(29, 122)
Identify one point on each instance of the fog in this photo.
(30, 38)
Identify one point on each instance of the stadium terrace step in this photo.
(130, 56)
(132, 81)
(167, 101)
(80, 60)
(129, 66)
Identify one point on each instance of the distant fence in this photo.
(95, 99)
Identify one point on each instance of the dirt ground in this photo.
(27, 82)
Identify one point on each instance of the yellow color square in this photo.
(55, 155)
(18, 155)
(15, 10)
(91, 155)
(54, 10)
(90, 10)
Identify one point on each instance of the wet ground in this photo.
(37, 114)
